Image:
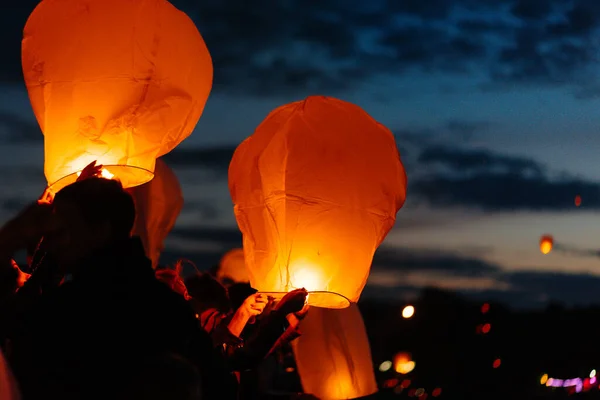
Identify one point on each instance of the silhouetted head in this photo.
(89, 215)
(207, 292)
(238, 292)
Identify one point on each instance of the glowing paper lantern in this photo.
(120, 82)
(577, 201)
(8, 386)
(233, 267)
(546, 243)
(157, 204)
(333, 356)
(316, 189)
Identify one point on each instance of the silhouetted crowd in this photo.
(89, 317)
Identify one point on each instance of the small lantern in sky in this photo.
(233, 267)
(316, 189)
(403, 363)
(119, 82)
(157, 205)
(408, 312)
(546, 243)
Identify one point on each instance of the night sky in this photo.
(495, 105)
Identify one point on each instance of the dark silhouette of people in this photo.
(84, 338)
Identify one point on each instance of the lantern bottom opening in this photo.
(320, 299)
(128, 175)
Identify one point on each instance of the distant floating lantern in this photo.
(120, 82)
(546, 243)
(316, 189)
(408, 312)
(403, 363)
(577, 201)
(233, 267)
(158, 203)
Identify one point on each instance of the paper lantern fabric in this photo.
(8, 385)
(333, 356)
(316, 189)
(118, 81)
(233, 267)
(158, 203)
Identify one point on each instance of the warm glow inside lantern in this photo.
(119, 82)
(233, 267)
(546, 243)
(316, 189)
(333, 355)
(157, 205)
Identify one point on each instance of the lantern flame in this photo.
(104, 173)
(308, 277)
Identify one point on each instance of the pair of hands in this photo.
(294, 302)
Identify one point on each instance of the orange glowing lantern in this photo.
(546, 243)
(233, 267)
(120, 82)
(403, 363)
(316, 189)
(8, 385)
(333, 356)
(157, 205)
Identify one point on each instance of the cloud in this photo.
(17, 130)
(482, 179)
(331, 46)
(215, 159)
(432, 260)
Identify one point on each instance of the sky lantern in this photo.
(316, 189)
(403, 363)
(333, 355)
(408, 312)
(8, 385)
(546, 243)
(233, 267)
(577, 201)
(158, 203)
(120, 82)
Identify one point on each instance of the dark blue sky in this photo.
(495, 105)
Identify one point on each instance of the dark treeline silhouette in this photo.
(454, 352)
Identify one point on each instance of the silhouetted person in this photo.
(84, 338)
(165, 377)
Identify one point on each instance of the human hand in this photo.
(254, 304)
(292, 302)
(90, 171)
(302, 313)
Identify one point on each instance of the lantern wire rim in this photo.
(318, 298)
(129, 175)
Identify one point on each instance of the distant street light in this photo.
(408, 312)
